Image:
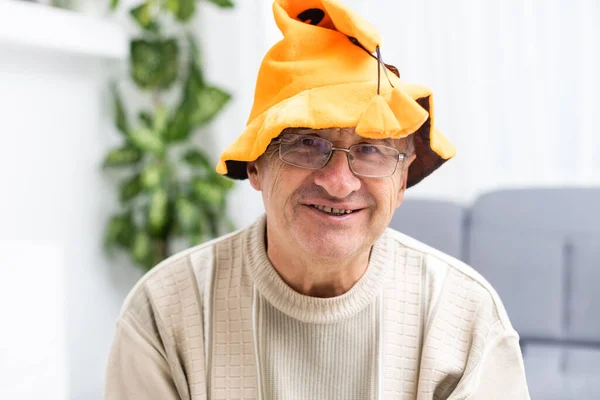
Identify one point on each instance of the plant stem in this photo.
(161, 250)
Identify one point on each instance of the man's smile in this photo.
(337, 214)
(332, 211)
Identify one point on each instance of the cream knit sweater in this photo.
(217, 322)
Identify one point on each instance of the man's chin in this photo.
(329, 245)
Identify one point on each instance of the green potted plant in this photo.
(170, 190)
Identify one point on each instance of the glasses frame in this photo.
(401, 156)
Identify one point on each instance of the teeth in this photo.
(332, 211)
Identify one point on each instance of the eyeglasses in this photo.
(364, 159)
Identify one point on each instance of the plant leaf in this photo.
(201, 228)
(126, 155)
(125, 238)
(160, 120)
(130, 188)
(146, 118)
(152, 176)
(195, 238)
(114, 4)
(224, 182)
(195, 60)
(118, 231)
(197, 158)
(112, 231)
(120, 113)
(223, 3)
(173, 6)
(146, 140)
(209, 101)
(214, 220)
(187, 215)
(185, 10)
(209, 193)
(178, 127)
(154, 63)
(157, 211)
(145, 63)
(159, 252)
(142, 248)
(144, 17)
(170, 62)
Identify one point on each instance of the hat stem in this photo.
(378, 68)
(381, 64)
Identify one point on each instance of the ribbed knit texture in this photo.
(316, 361)
(218, 322)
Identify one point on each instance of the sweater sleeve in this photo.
(137, 369)
(498, 375)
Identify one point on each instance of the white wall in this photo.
(33, 365)
(234, 43)
(55, 130)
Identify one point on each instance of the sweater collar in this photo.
(306, 308)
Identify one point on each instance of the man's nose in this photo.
(336, 177)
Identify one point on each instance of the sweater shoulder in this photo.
(455, 281)
(177, 284)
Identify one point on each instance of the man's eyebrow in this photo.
(400, 144)
(394, 143)
(385, 141)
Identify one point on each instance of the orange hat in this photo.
(324, 74)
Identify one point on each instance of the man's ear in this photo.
(252, 170)
(400, 197)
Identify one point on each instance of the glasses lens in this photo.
(304, 150)
(373, 160)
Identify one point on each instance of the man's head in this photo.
(327, 71)
(336, 210)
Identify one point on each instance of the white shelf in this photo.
(30, 24)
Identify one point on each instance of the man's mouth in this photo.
(332, 211)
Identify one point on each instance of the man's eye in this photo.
(366, 149)
(307, 142)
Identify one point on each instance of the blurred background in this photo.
(516, 89)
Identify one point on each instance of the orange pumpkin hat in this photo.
(327, 72)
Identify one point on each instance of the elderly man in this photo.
(317, 299)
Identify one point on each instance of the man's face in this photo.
(294, 199)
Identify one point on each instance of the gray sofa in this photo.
(540, 249)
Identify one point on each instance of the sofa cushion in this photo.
(557, 372)
(568, 211)
(527, 272)
(583, 321)
(439, 224)
(538, 248)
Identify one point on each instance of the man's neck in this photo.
(316, 277)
